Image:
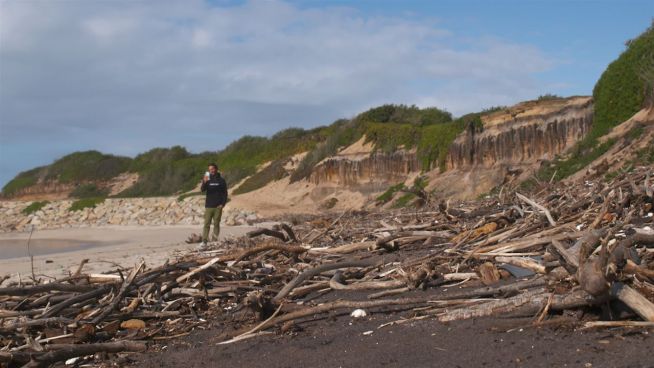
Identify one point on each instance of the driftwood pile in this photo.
(585, 248)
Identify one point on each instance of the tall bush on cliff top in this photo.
(622, 89)
(403, 114)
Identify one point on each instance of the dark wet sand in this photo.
(14, 248)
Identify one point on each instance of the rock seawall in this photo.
(125, 211)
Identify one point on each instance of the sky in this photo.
(123, 77)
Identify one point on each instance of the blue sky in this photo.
(126, 76)
(582, 35)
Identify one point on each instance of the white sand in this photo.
(103, 246)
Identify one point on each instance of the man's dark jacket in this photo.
(216, 189)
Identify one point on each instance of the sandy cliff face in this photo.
(50, 190)
(359, 167)
(524, 134)
(511, 143)
(54, 190)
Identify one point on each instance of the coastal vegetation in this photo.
(625, 87)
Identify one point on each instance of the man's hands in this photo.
(204, 179)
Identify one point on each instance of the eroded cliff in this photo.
(523, 134)
(54, 190)
(50, 190)
(510, 142)
(360, 167)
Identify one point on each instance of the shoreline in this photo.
(60, 251)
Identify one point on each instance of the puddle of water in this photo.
(14, 248)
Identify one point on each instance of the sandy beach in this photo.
(56, 252)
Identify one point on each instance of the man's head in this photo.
(213, 168)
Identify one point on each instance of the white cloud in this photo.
(108, 27)
(201, 38)
(166, 67)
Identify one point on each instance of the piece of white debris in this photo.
(72, 361)
(611, 242)
(651, 214)
(368, 333)
(358, 313)
(580, 226)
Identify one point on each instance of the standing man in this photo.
(216, 188)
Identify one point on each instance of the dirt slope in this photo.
(630, 137)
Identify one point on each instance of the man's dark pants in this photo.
(212, 214)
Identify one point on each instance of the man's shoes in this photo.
(202, 246)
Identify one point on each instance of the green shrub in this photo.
(403, 114)
(241, 158)
(329, 203)
(621, 91)
(166, 171)
(340, 134)
(18, 183)
(434, 143)
(404, 200)
(389, 193)
(21, 181)
(144, 161)
(274, 171)
(87, 165)
(388, 137)
(88, 191)
(420, 182)
(167, 177)
(549, 97)
(646, 73)
(579, 158)
(33, 207)
(81, 204)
